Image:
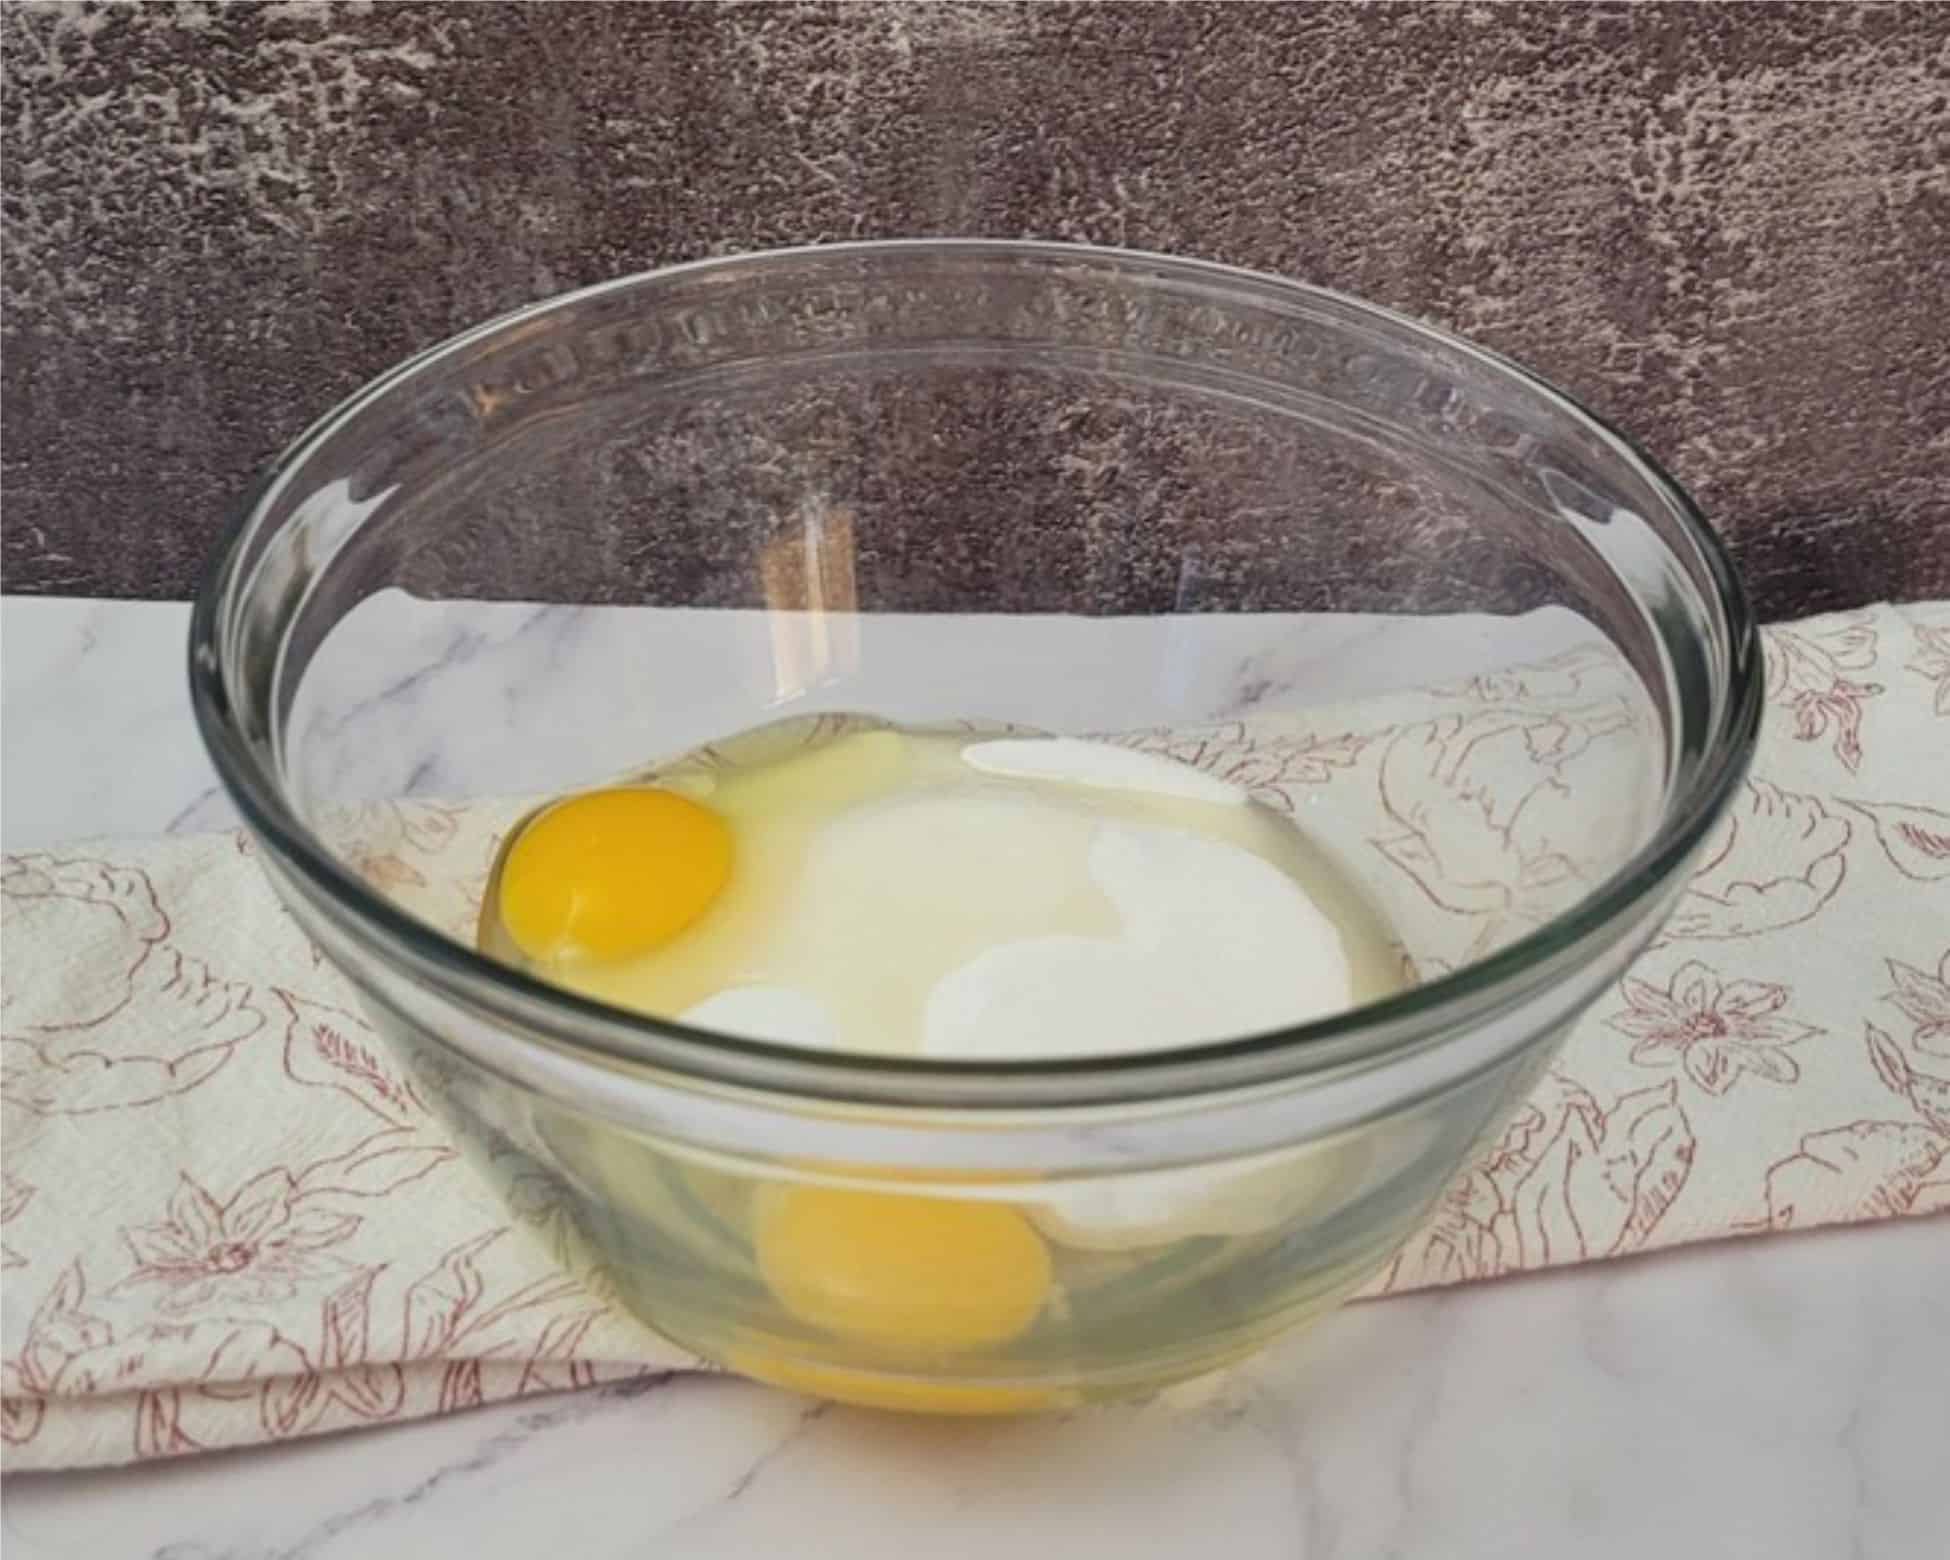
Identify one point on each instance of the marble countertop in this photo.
(1782, 1398)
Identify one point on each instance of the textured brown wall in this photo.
(1727, 227)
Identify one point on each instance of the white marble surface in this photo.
(1781, 1398)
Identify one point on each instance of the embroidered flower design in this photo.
(1869, 1169)
(1268, 767)
(15, 1195)
(1568, 1181)
(1915, 838)
(1716, 1030)
(331, 1047)
(149, 1022)
(254, 1250)
(1934, 662)
(1926, 999)
(1805, 675)
(1303, 759)
(386, 842)
(1773, 862)
(1500, 816)
(1577, 674)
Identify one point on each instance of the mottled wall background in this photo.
(1727, 227)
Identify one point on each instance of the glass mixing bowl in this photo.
(1482, 650)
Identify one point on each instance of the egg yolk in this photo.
(612, 874)
(920, 1277)
(875, 1389)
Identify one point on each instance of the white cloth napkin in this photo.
(229, 1218)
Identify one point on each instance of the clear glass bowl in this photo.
(1484, 651)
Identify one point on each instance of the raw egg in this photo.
(914, 1277)
(612, 875)
(904, 1394)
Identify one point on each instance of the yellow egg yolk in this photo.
(876, 1389)
(612, 874)
(917, 1277)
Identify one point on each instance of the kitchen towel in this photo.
(229, 1217)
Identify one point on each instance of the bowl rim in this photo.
(1375, 1033)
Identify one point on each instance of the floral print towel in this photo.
(229, 1217)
